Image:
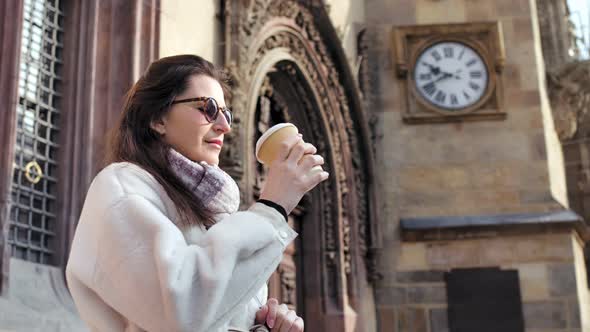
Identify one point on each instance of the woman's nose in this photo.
(221, 124)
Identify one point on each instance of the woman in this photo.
(160, 245)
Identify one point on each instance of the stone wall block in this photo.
(387, 319)
(562, 280)
(390, 296)
(545, 315)
(420, 276)
(533, 281)
(412, 257)
(508, 8)
(412, 319)
(439, 320)
(427, 294)
(573, 317)
(447, 255)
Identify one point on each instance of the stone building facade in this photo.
(426, 227)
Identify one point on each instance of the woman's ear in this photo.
(159, 126)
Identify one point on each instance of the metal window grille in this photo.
(32, 232)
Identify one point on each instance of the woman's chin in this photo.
(210, 157)
(212, 160)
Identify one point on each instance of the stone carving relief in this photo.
(569, 94)
(288, 286)
(345, 198)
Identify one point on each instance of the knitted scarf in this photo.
(218, 192)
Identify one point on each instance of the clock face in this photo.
(451, 75)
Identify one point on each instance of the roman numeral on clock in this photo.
(471, 62)
(475, 74)
(429, 88)
(425, 77)
(436, 55)
(454, 100)
(461, 54)
(448, 52)
(440, 96)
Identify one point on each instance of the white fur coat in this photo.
(132, 269)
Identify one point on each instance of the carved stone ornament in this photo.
(569, 94)
(266, 36)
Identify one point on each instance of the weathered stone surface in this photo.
(439, 320)
(507, 8)
(535, 196)
(497, 251)
(412, 257)
(524, 98)
(427, 294)
(420, 276)
(433, 178)
(573, 317)
(401, 12)
(562, 280)
(390, 296)
(430, 12)
(533, 281)
(523, 29)
(424, 198)
(555, 247)
(387, 319)
(480, 10)
(412, 319)
(545, 315)
(453, 254)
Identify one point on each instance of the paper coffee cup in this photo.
(269, 144)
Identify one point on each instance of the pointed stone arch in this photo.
(294, 42)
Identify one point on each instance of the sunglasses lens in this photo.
(211, 110)
(228, 116)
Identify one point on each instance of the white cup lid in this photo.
(269, 132)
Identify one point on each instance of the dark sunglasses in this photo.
(210, 108)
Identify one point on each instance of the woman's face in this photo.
(186, 128)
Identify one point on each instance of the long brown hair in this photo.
(133, 140)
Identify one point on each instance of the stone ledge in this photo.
(464, 227)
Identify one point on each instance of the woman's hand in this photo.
(289, 176)
(278, 317)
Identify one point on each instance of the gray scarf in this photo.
(218, 192)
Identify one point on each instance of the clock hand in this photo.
(451, 74)
(445, 75)
(433, 69)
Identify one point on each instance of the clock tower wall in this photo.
(475, 167)
(438, 179)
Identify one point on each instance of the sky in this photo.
(580, 15)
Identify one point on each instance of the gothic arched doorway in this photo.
(282, 98)
(286, 69)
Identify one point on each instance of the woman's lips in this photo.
(216, 142)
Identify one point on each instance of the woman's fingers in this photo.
(310, 149)
(297, 325)
(286, 147)
(310, 160)
(297, 151)
(289, 318)
(273, 306)
(281, 315)
(261, 314)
